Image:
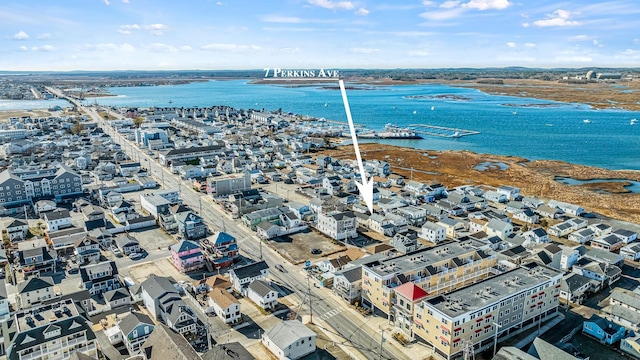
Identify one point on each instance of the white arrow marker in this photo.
(366, 187)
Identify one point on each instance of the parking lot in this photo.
(296, 248)
(164, 267)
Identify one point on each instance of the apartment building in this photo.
(470, 315)
(434, 270)
(20, 186)
(52, 331)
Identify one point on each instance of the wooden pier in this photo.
(441, 131)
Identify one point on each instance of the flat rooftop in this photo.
(44, 315)
(491, 290)
(423, 258)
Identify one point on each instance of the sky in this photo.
(64, 35)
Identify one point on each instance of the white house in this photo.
(290, 340)
(510, 192)
(625, 235)
(262, 294)
(499, 228)
(631, 252)
(242, 276)
(495, 196)
(224, 305)
(433, 232)
(57, 219)
(338, 225)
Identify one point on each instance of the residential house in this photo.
(631, 346)
(511, 192)
(381, 225)
(290, 340)
(337, 225)
(34, 290)
(347, 284)
(495, 196)
(262, 294)
(627, 236)
(100, 277)
(212, 282)
(452, 227)
(86, 249)
(57, 219)
(406, 242)
(242, 276)
(135, 328)
(601, 229)
(228, 351)
(117, 298)
(178, 315)
(127, 244)
(335, 264)
(17, 230)
(603, 330)
(608, 242)
(415, 216)
(548, 212)
(631, 252)
(537, 235)
(163, 341)
(187, 256)
(153, 291)
(191, 225)
(567, 208)
(581, 236)
(501, 229)
(224, 305)
(60, 329)
(567, 227)
(407, 297)
(602, 273)
(526, 216)
(35, 256)
(574, 288)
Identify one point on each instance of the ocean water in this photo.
(541, 129)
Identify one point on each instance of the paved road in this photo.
(346, 325)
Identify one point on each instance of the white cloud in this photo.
(107, 2)
(636, 41)
(125, 1)
(222, 47)
(530, 45)
(44, 36)
(557, 18)
(487, 4)
(159, 47)
(43, 48)
(219, 3)
(419, 52)
(442, 15)
(450, 4)
(362, 12)
(20, 35)
(428, 3)
(290, 50)
(155, 29)
(109, 47)
(24, 48)
(360, 50)
(580, 38)
(333, 5)
(511, 44)
(186, 48)
(525, 25)
(282, 19)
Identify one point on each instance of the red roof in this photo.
(411, 291)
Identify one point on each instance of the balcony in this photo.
(32, 355)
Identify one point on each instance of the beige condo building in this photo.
(469, 316)
(435, 270)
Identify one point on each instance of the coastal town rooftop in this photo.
(492, 290)
(44, 315)
(423, 258)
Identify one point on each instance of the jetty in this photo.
(442, 131)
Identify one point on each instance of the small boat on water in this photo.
(325, 104)
(633, 121)
(415, 112)
(170, 101)
(433, 108)
(548, 124)
(586, 121)
(515, 113)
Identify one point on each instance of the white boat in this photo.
(415, 112)
(633, 121)
(325, 104)
(586, 121)
(515, 113)
(433, 108)
(548, 124)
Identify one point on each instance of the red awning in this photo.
(532, 306)
(488, 326)
(444, 328)
(479, 330)
(444, 339)
(534, 295)
(417, 321)
(456, 340)
(540, 302)
(457, 329)
(488, 316)
(479, 320)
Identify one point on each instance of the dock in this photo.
(441, 131)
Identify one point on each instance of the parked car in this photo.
(135, 256)
(281, 268)
(73, 270)
(316, 251)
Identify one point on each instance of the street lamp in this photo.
(495, 340)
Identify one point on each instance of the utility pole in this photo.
(495, 340)
(310, 300)
(200, 202)
(381, 341)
